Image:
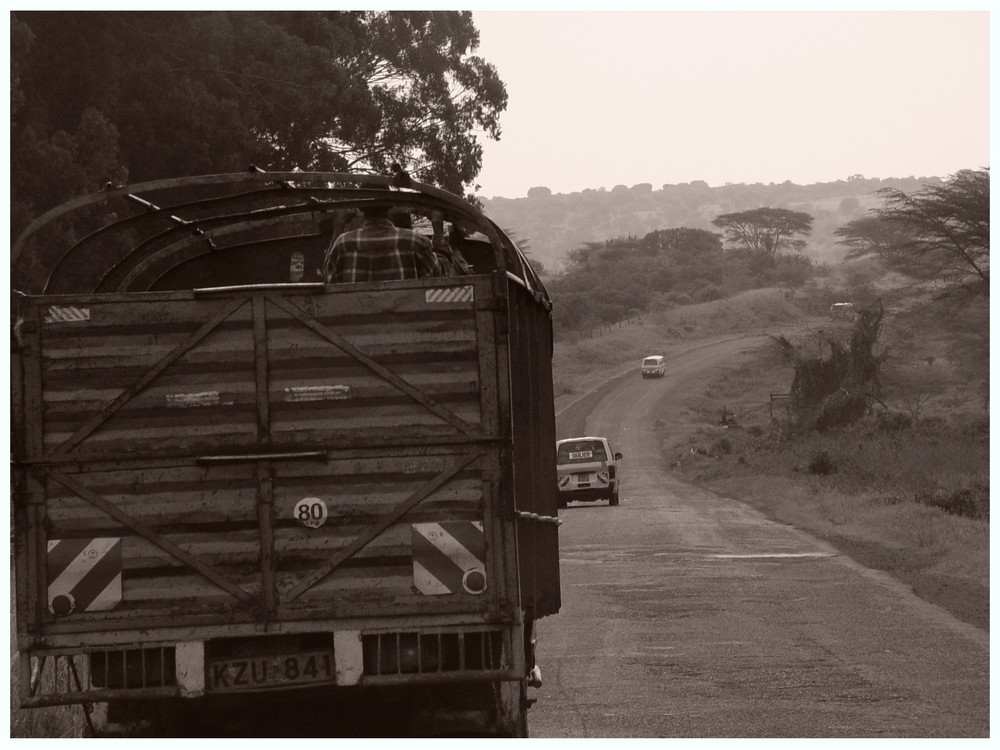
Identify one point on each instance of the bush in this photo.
(676, 298)
(970, 501)
(708, 293)
(894, 421)
(722, 447)
(822, 463)
(791, 270)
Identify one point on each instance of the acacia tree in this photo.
(99, 96)
(765, 230)
(939, 233)
(872, 235)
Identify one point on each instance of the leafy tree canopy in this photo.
(940, 233)
(133, 96)
(765, 230)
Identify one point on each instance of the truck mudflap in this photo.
(248, 456)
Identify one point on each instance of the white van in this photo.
(653, 367)
(587, 469)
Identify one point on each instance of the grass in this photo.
(580, 363)
(910, 497)
(907, 493)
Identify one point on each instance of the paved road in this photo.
(687, 614)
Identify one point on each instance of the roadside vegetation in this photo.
(625, 278)
(904, 494)
(886, 453)
(904, 489)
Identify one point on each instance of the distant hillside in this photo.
(553, 224)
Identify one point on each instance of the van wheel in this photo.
(613, 500)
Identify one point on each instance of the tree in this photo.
(165, 94)
(765, 230)
(939, 233)
(849, 205)
(683, 241)
(874, 236)
(826, 393)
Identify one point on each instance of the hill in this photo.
(551, 225)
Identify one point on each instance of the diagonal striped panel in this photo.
(63, 314)
(84, 575)
(449, 557)
(450, 294)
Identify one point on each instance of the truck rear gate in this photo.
(294, 460)
(275, 485)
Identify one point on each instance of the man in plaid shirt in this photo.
(381, 251)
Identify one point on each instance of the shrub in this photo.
(708, 293)
(722, 447)
(677, 298)
(894, 421)
(969, 501)
(821, 462)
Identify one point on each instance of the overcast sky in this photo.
(602, 98)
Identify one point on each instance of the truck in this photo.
(246, 500)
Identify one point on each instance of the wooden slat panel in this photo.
(176, 517)
(208, 397)
(96, 369)
(210, 512)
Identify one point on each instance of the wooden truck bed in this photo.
(208, 461)
(263, 456)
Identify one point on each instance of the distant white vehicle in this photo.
(653, 367)
(842, 311)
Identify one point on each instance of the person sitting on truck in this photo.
(381, 251)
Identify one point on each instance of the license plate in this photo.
(584, 478)
(580, 455)
(270, 671)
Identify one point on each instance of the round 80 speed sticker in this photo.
(311, 512)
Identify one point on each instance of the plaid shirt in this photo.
(380, 251)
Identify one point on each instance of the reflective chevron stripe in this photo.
(57, 314)
(84, 575)
(449, 557)
(450, 294)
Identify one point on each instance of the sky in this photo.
(600, 98)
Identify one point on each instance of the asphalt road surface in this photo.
(687, 614)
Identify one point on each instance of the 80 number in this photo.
(311, 512)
